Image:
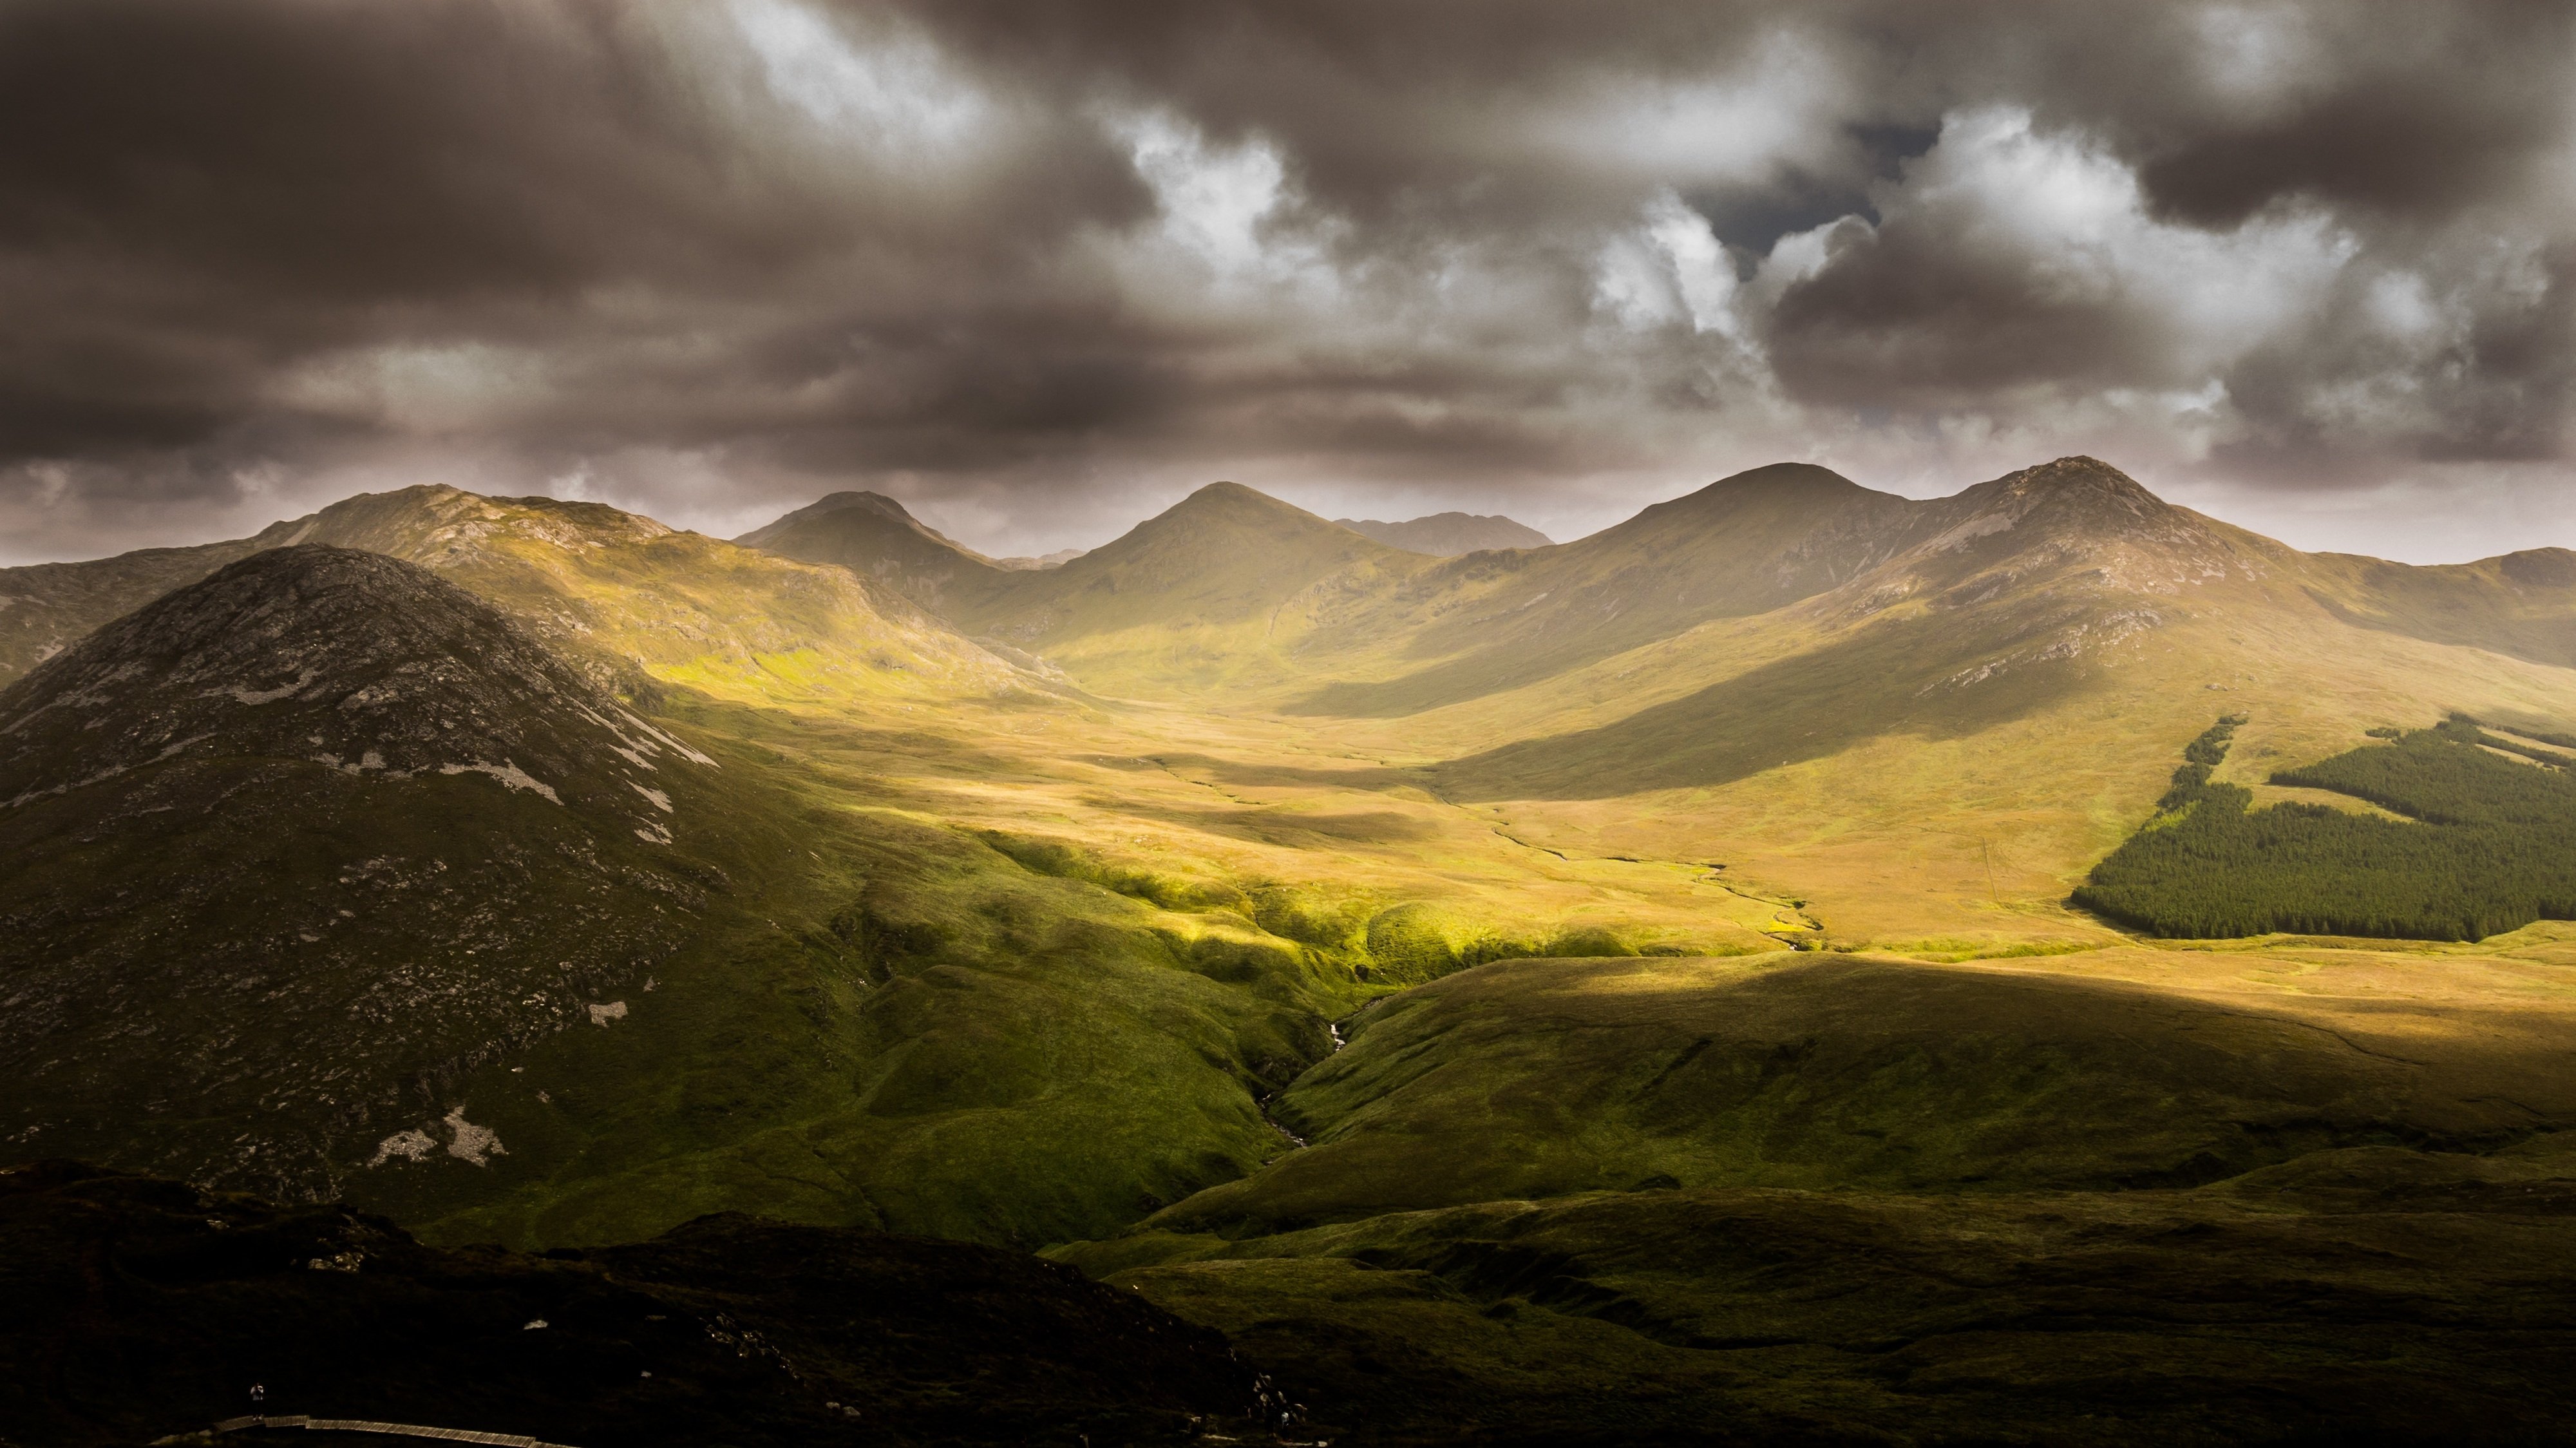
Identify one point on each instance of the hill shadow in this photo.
(1487, 671)
(1896, 676)
(2460, 616)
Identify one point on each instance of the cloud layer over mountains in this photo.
(1041, 267)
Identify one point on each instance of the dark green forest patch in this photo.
(2488, 845)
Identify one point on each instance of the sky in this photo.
(1040, 269)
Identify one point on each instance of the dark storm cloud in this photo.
(703, 256)
(198, 194)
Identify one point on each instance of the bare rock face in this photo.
(287, 853)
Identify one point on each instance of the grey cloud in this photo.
(282, 244)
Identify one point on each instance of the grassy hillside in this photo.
(855, 972)
(1535, 1079)
(1741, 546)
(2158, 1196)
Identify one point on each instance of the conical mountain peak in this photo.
(1225, 516)
(1237, 501)
(866, 504)
(876, 537)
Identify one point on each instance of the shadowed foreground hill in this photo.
(138, 1308)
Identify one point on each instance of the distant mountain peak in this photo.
(843, 501)
(1778, 477)
(1228, 510)
(876, 505)
(1446, 535)
(1235, 498)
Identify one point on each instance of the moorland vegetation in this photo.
(1754, 971)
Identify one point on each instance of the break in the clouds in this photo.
(1039, 267)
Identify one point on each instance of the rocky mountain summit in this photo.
(349, 659)
(299, 844)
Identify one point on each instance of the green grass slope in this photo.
(2126, 1199)
(324, 876)
(1540, 1078)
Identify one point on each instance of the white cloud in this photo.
(893, 94)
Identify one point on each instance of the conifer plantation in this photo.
(2488, 844)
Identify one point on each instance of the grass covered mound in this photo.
(2488, 844)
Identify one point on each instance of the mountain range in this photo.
(1440, 962)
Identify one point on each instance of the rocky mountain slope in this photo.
(620, 595)
(1446, 535)
(295, 847)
